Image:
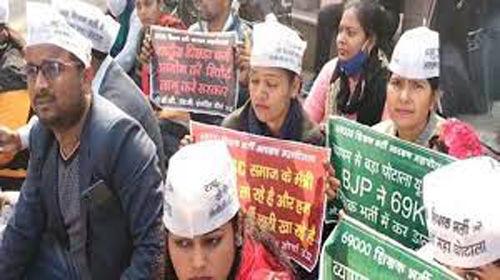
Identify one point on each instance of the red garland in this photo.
(460, 139)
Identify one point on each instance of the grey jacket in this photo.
(120, 89)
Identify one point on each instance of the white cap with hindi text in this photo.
(461, 201)
(201, 193)
(277, 45)
(4, 11)
(100, 29)
(47, 26)
(416, 55)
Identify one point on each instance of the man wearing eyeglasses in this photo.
(91, 205)
(110, 81)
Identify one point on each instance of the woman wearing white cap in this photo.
(273, 109)
(12, 74)
(465, 194)
(207, 237)
(413, 95)
(353, 84)
(274, 84)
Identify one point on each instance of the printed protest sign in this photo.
(281, 184)
(381, 180)
(194, 71)
(354, 251)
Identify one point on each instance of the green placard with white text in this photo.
(381, 180)
(354, 251)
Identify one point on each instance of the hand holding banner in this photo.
(194, 71)
(381, 178)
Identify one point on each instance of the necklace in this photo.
(65, 156)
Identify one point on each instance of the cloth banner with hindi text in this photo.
(281, 185)
(194, 71)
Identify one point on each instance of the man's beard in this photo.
(67, 117)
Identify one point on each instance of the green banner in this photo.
(354, 251)
(381, 180)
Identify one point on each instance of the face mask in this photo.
(354, 65)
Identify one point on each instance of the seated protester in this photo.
(466, 192)
(222, 16)
(274, 84)
(207, 236)
(328, 20)
(354, 83)
(413, 95)
(91, 205)
(12, 74)
(110, 81)
(173, 123)
(150, 13)
(274, 109)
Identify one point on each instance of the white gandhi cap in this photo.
(416, 55)
(461, 201)
(47, 26)
(201, 192)
(89, 21)
(276, 45)
(4, 11)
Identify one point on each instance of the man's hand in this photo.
(146, 49)
(243, 62)
(187, 140)
(332, 183)
(10, 144)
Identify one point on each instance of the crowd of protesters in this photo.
(115, 189)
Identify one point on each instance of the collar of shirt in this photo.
(430, 130)
(99, 75)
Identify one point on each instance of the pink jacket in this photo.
(314, 104)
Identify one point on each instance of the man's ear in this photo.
(88, 77)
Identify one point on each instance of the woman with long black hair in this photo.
(354, 83)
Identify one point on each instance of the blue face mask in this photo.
(354, 65)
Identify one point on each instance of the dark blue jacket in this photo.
(120, 89)
(121, 192)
